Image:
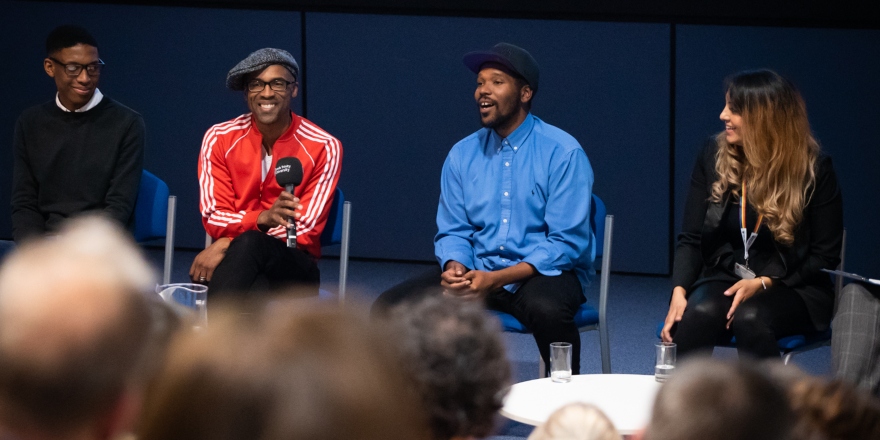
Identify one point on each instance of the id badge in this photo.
(743, 272)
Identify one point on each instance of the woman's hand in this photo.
(676, 309)
(743, 290)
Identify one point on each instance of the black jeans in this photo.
(256, 263)
(545, 304)
(757, 322)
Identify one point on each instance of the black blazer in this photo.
(817, 239)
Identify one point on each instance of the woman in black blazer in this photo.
(756, 273)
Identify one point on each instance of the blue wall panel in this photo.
(395, 91)
(167, 63)
(836, 71)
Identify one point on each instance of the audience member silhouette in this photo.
(454, 354)
(75, 332)
(576, 421)
(288, 372)
(713, 399)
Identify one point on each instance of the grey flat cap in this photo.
(257, 61)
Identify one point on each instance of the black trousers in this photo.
(757, 322)
(545, 304)
(258, 263)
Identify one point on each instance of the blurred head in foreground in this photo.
(291, 371)
(74, 334)
(576, 421)
(454, 354)
(713, 399)
(828, 409)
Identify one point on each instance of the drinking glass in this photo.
(192, 296)
(560, 362)
(665, 365)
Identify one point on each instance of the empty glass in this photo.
(191, 296)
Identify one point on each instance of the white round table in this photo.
(626, 399)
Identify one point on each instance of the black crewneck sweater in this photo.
(68, 163)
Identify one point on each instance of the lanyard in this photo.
(743, 230)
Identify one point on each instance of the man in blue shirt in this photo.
(514, 214)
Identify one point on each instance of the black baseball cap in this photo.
(515, 58)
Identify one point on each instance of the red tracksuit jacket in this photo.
(233, 192)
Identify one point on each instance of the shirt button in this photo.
(505, 193)
(515, 148)
(504, 220)
(507, 164)
(501, 247)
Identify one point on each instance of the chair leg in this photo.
(787, 357)
(169, 239)
(605, 349)
(343, 252)
(542, 369)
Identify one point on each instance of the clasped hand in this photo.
(460, 282)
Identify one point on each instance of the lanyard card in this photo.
(743, 272)
(748, 239)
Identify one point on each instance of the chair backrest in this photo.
(332, 233)
(597, 222)
(151, 208)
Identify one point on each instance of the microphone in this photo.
(289, 174)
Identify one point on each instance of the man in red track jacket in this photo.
(243, 208)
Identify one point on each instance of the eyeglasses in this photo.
(277, 85)
(74, 69)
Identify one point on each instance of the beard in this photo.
(499, 119)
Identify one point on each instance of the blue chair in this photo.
(795, 344)
(154, 217)
(336, 232)
(587, 318)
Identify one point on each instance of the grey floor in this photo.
(636, 305)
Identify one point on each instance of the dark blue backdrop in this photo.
(393, 89)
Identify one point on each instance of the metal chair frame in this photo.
(148, 225)
(605, 226)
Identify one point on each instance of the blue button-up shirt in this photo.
(523, 198)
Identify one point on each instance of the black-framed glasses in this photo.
(74, 69)
(277, 85)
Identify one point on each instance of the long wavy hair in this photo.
(778, 154)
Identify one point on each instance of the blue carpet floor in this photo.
(636, 305)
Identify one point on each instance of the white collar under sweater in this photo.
(96, 99)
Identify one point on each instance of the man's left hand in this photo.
(202, 269)
(481, 283)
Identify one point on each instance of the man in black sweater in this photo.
(81, 152)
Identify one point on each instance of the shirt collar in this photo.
(96, 99)
(518, 137)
